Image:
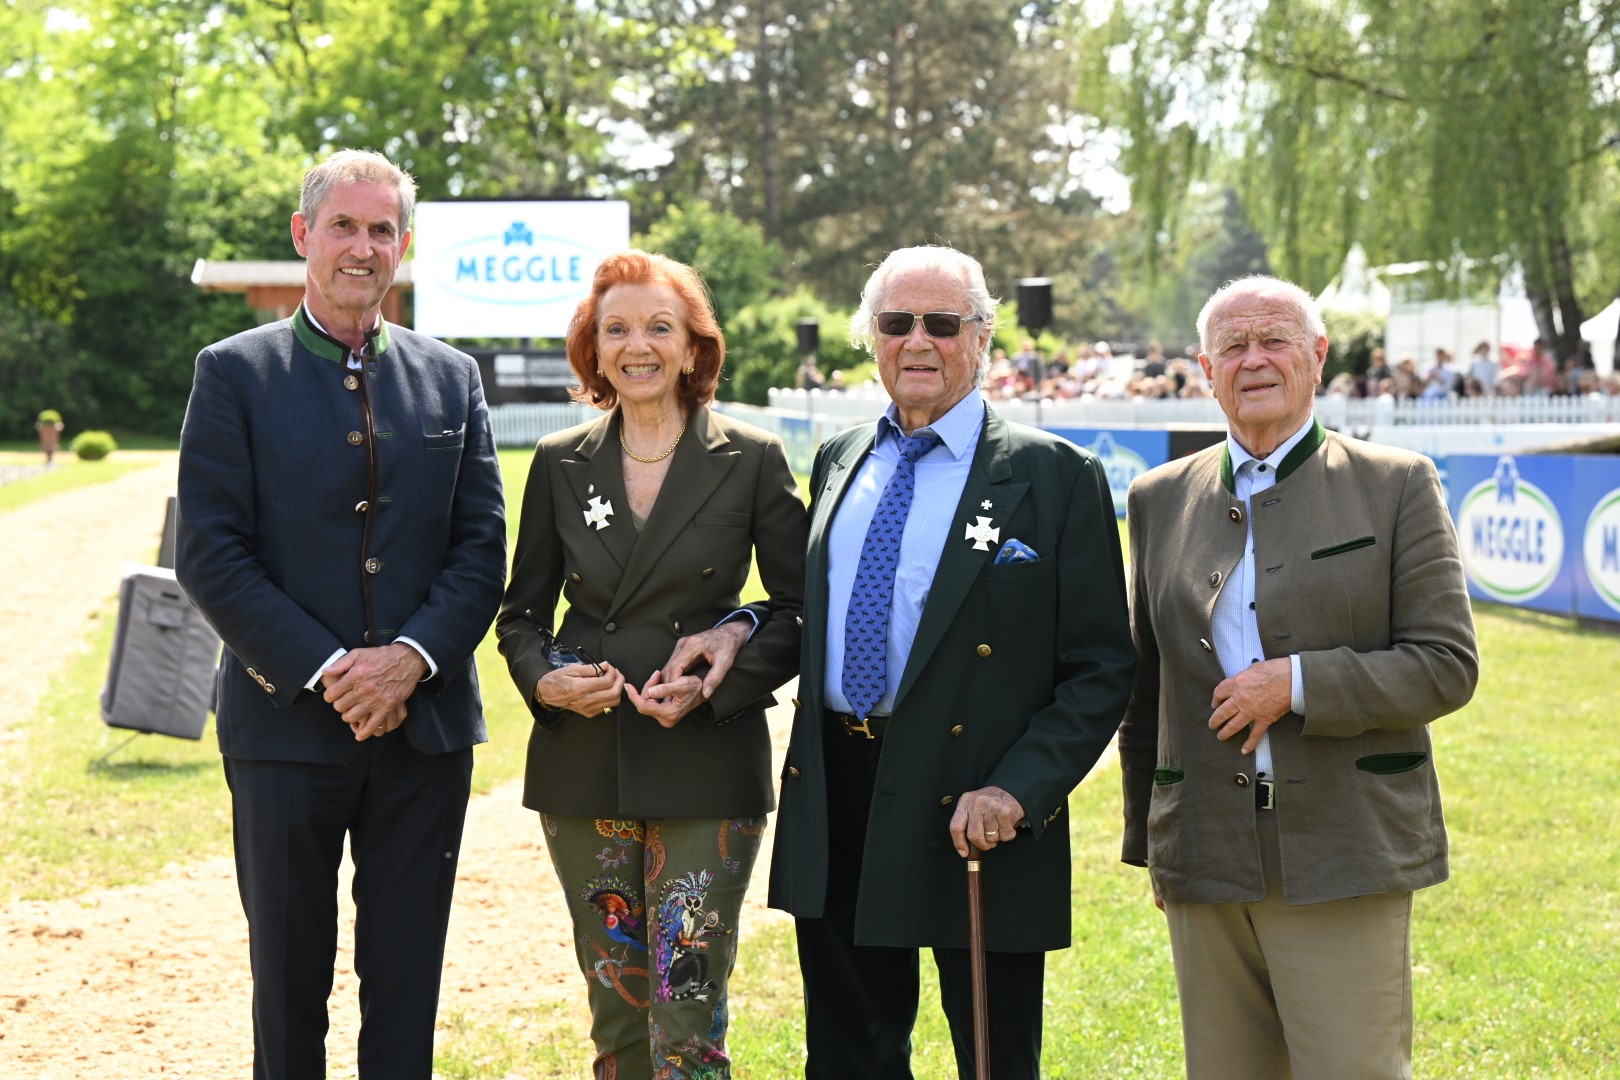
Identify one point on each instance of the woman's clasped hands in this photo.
(669, 694)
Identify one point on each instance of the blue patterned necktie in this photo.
(866, 624)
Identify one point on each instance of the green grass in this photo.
(68, 474)
(1515, 958)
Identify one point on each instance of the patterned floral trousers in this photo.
(655, 906)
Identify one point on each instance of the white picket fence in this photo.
(526, 424)
(1342, 413)
(1379, 419)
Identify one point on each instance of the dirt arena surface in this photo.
(151, 980)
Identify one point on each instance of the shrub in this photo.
(93, 445)
(48, 416)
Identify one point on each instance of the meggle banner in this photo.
(509, 269)
(1540, 532)
(1597, 538)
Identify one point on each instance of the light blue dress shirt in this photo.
(941, 475)
(1234, 623)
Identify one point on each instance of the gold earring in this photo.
(687, 371)
(599, 374)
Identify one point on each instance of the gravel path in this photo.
(151, 980)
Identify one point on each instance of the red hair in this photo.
(634, 267)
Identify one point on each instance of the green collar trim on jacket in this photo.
(1299, 455)
(330, 348)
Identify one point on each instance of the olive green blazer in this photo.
(1357, 571)
(728, 496)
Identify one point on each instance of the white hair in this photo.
(946, 261)
(1304, 304)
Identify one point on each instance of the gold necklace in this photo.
(660, 457)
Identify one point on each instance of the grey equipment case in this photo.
(160, 679)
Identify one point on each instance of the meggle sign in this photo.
(1512, 514)
(1602, 549)
(509, 269)
(1512, 537)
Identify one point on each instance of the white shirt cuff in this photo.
(1297, 703)
(433, 669)
(315, 682)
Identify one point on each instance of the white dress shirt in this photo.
(1234, 623)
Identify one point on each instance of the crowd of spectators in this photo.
(1094, 372)
(1529, 372)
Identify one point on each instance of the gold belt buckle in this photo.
(864, 727)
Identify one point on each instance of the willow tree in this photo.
(1474, 134)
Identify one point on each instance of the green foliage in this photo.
(733, 257)
(1352, 336)
(762, 345)
(48, 416)
(1433, 131)
(848, 130)
(93, 445)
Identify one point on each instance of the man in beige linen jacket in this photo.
(1300, 617)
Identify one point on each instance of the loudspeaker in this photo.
(809, 336)
(1035, 303)
(160, 677)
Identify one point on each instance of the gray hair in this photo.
(357, 167)
(946, 261)
(1303, 303)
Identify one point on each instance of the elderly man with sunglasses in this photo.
(966, 658)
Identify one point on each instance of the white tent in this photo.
(1598, 333)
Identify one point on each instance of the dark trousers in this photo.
(861, 1000)
(402, 812)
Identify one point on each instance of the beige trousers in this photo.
(1271, 991)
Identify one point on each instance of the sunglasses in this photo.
(556, 653)
(936, 324)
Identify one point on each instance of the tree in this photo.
(1465, 132)
(847, 130)
(732, 256)
(141, 135)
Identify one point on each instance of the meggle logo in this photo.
(1603, 548)
(516, 267)
(1120, 464)
(1512, 538)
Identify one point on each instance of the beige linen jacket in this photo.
(1357, 571)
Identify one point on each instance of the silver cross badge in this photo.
(599, 513)
(981, 534)
(987, 504)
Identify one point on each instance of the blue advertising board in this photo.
(1125, 454)
(1597, 538)
(1540, 532)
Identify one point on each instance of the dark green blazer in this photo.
(728, 495)
(1357, 572)
(1017, 679)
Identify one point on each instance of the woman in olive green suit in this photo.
(652, 776)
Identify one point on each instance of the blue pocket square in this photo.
(1015, 551)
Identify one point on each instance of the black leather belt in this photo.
(1265, 795)
(872, 727)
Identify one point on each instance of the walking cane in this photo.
(981, 1005)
